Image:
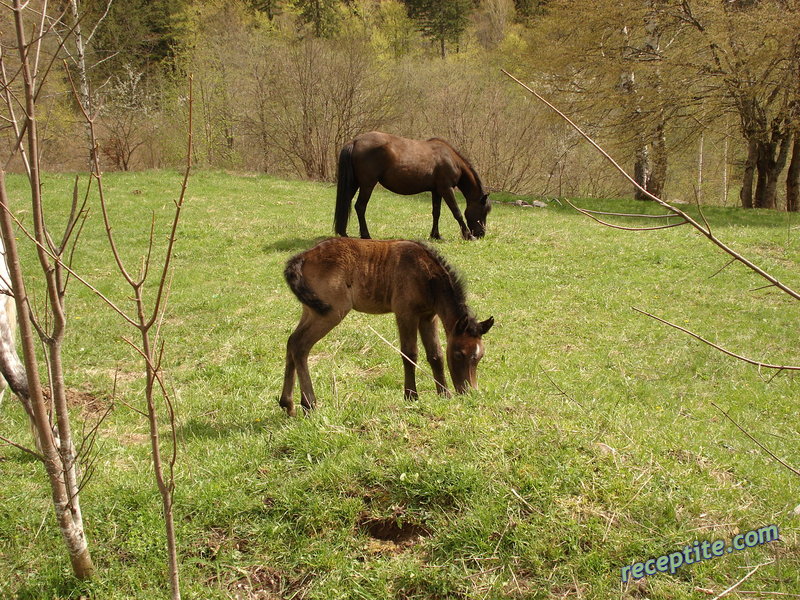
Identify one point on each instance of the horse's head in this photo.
(465, 350)
(476, 213)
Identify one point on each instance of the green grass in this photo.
(592, 443)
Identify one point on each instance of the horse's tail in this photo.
(298, 284)
(346, 187)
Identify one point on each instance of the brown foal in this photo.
(406, 278)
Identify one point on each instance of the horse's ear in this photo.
(486, 325)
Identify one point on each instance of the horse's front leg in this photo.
(429, 332)
(450, 199)
(361, 209)
(407, 327)
(436, 209)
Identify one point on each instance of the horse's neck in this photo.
(468, 184)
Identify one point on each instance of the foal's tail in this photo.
(298, 284)
(346, 187)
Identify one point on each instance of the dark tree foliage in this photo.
(528, 9)
(136, 33)
(440, 20)
(321, 15)
(268, 7)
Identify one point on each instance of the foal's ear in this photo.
(485, 199)
(486, 325)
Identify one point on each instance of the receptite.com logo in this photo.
(699, 551)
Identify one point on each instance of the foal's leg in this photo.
(286, 401)
(450, 198)
(429, 332)
(407, 327)
(436, 200)
(364, 194)
(311, 329)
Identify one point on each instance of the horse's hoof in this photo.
(286, 405)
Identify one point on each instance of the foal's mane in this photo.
(451, 284)
(463, 158)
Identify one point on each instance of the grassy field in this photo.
(592, 443)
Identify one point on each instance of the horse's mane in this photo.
(463, 158)
(451, 283)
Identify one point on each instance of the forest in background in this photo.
(699, 99)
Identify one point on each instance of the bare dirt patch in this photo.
(265, 583)
(390, 535)
(89, 404)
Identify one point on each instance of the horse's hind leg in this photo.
(311, 329)
(364, 194)
(436, 209)
(429, 332)
(286, 401)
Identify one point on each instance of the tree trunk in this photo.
(700, 161)
(769, 168)
(658, 174)
(641, 170)
(793, 177)
(725, 148)
(58, 454)
(746, 193)
(65, 500)
(84, 97)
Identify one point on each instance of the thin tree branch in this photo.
(178, 206)
(97, 292)
(718, 347)
(757, 443)
(742, 580)
(721, 269)
(401, 353)
(607, 224)
(21, 447)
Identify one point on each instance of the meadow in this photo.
(591, 444)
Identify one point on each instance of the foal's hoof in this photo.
(288, 406)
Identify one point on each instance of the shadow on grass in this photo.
(202, 429)
(294, 244)
(56, 585)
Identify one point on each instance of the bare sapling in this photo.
(146, 317)
(55, 447)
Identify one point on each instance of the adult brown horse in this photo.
(407, 278)
(406, 167)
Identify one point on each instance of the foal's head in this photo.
(465, 350)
